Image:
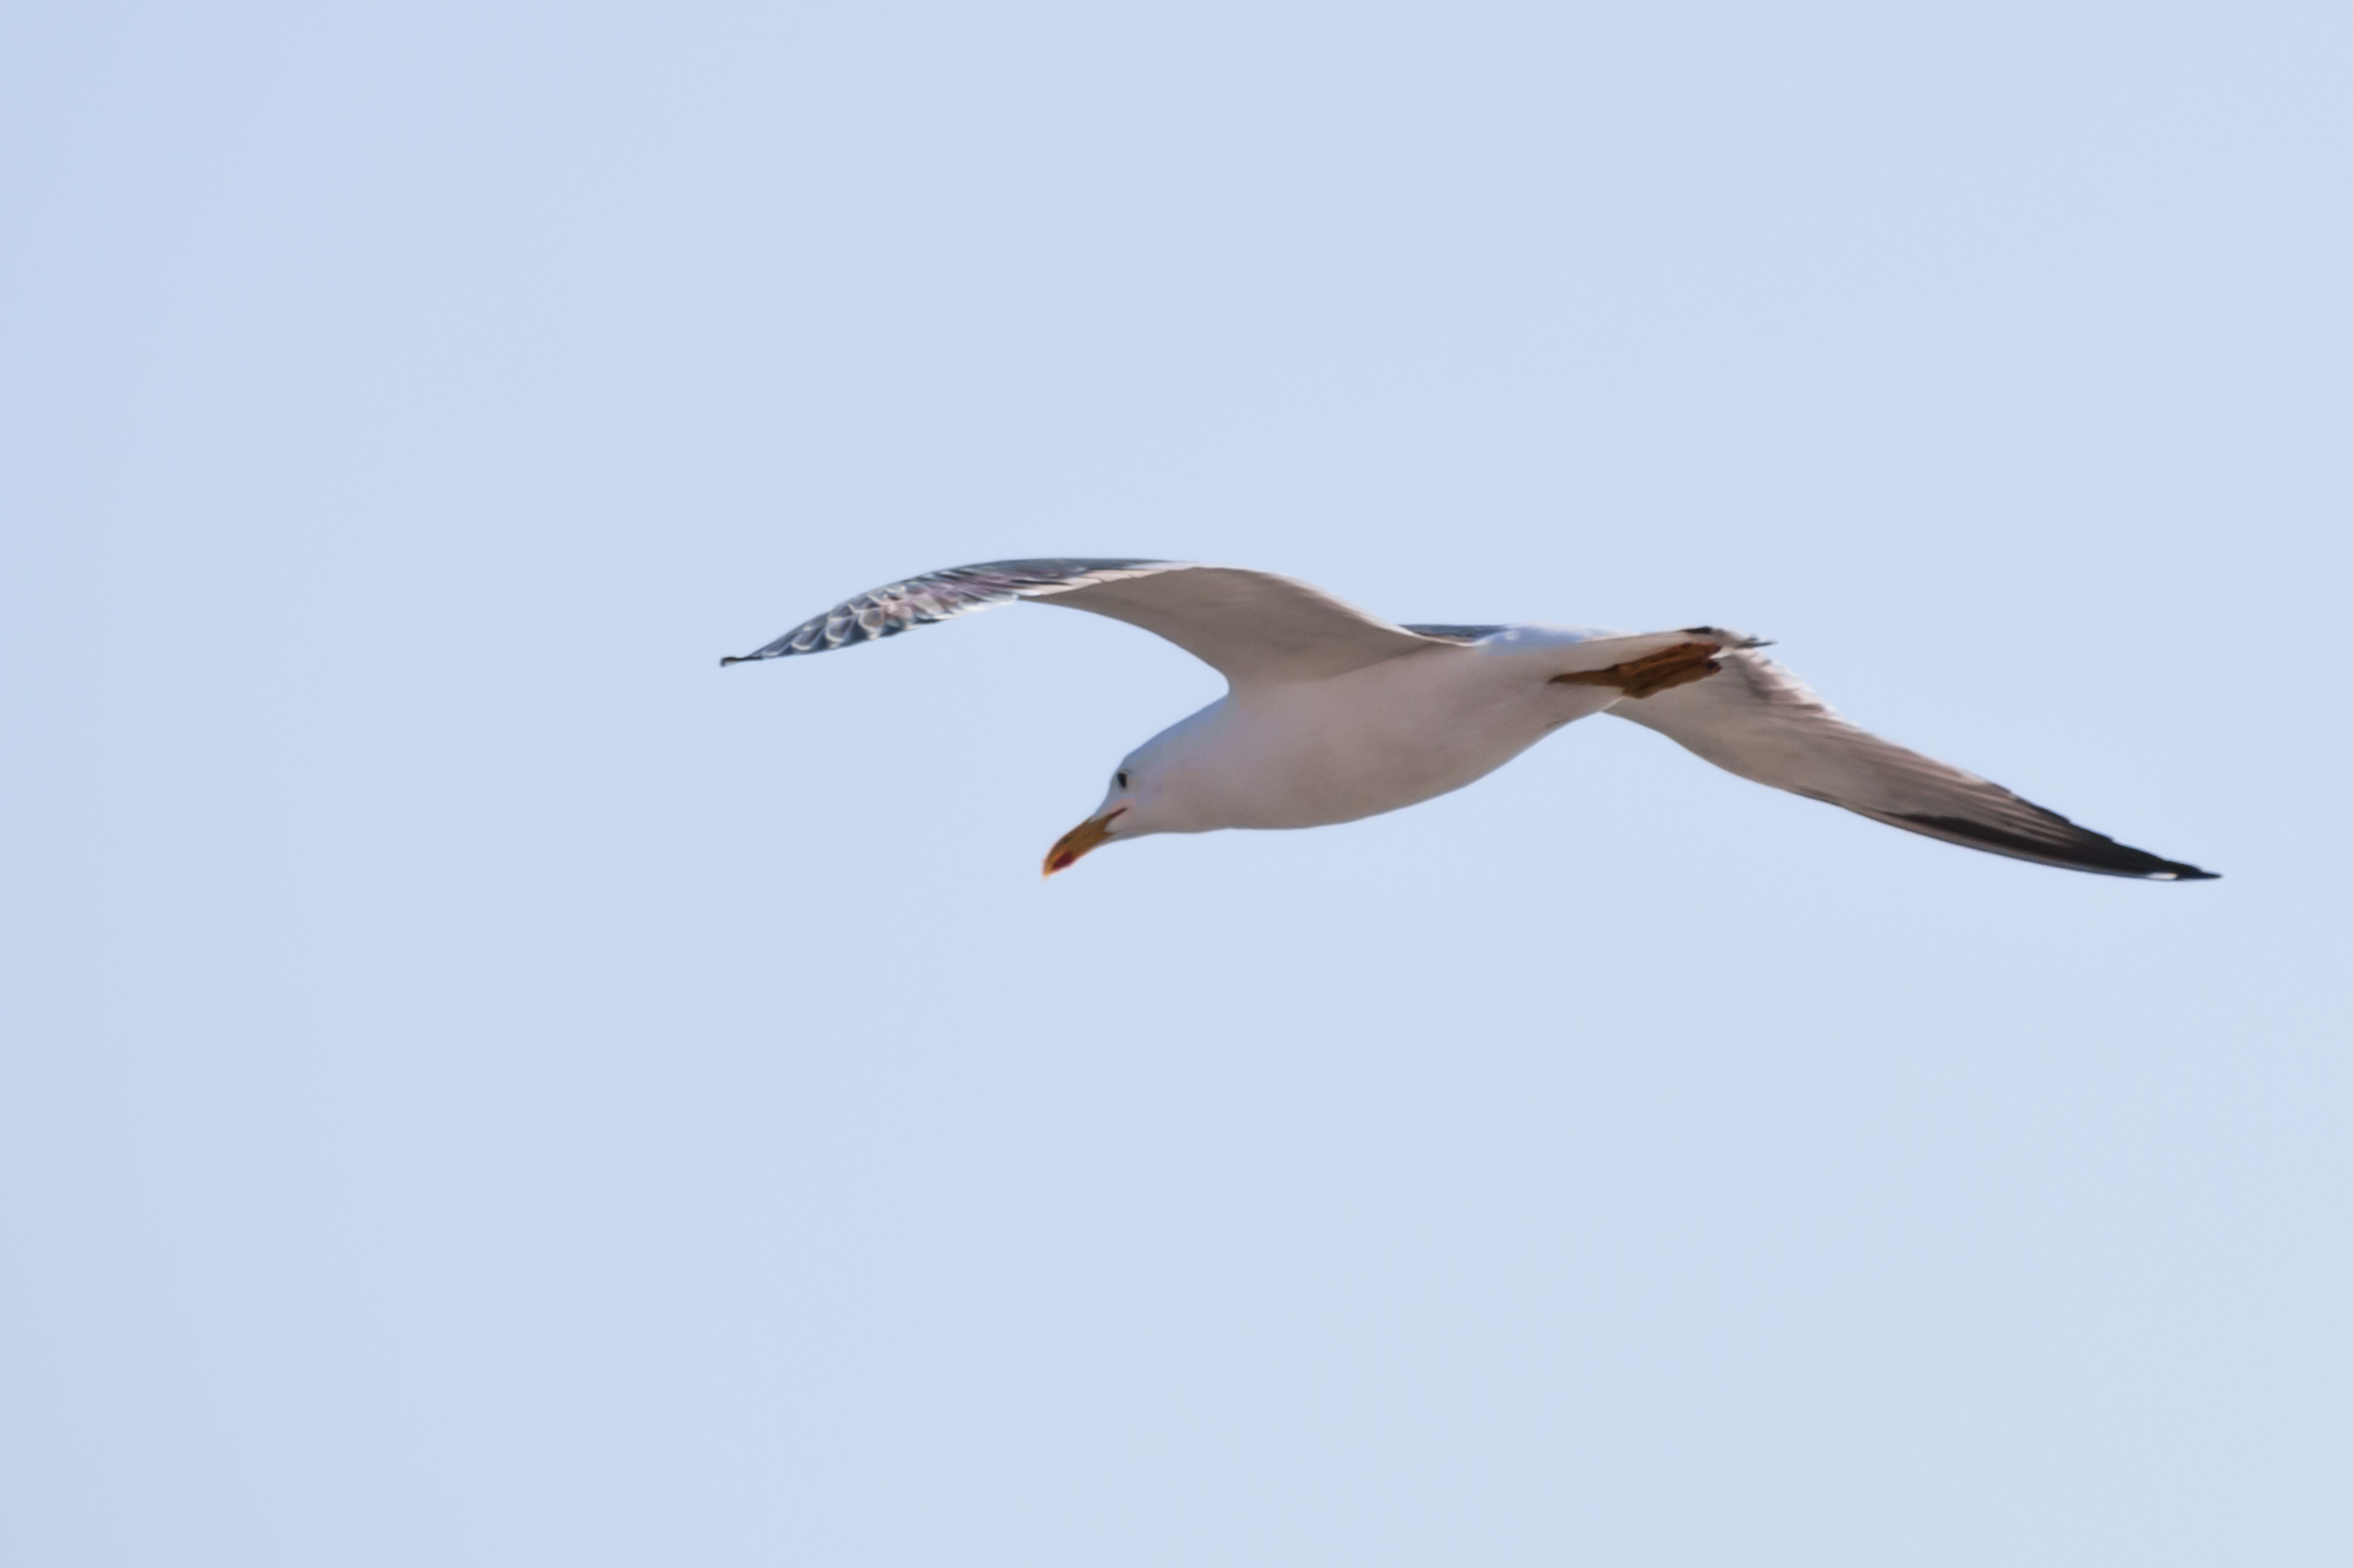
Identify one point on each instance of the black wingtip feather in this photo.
(2076, 848)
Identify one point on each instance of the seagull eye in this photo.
(1120, 778)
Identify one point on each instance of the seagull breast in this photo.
(1310, 752)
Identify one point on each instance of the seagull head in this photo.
(1154, 790)
(1165, 786)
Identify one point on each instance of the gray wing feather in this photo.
(943, 596)
(1250, 625)
(1455, 634)
(1758, 721)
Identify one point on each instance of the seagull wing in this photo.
(1248, 626)
(1758, 721)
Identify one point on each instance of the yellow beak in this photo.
(1071, 845)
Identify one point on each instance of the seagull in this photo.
(1332, 713)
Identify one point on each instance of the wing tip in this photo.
(2063, 843)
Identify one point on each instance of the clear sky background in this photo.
(484, 1086)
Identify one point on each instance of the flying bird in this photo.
(1332, 713)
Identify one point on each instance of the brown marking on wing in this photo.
(1653, 672)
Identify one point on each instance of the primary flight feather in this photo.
(1332, 713)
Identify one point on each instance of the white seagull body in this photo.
(1333, 714)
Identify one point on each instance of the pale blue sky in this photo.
(485, 1086)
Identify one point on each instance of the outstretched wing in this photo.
(1249, 625)
(1758, 721)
